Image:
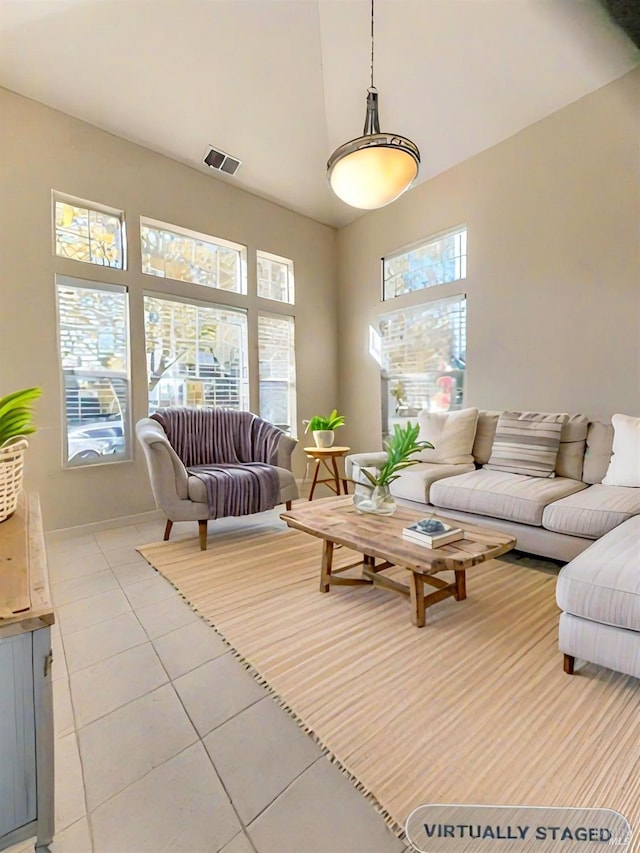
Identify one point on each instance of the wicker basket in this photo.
(11, 467)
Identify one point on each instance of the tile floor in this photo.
(164, 742)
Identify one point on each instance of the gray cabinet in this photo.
(26, 713)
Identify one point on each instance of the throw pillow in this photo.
(624, 468)
(527, 443)
(451, 433)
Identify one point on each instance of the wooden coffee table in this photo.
(376, 537)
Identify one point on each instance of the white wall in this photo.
(43, 149)
(553, 281)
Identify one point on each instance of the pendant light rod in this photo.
(372, 86)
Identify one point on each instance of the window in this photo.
(277, 371)
(92, 234)
(94, 353)
(196, 354)
(442, 259)
(275, 278)
(424, 359)
(172, 252)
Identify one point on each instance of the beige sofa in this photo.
(555, 517)
(572, 517)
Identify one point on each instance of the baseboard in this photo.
(70, 532)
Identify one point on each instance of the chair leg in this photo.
(287, 505)
(167, 530)
(202, 531)
(569, 663)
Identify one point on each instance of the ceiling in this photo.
(280, 84)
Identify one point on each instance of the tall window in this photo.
(442, 259)
(423, 359)
(94, 354)
(275, 278)
(276, 346)
(196, 354)
(172, 252)
(84, 232)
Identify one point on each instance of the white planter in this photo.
(324, 437)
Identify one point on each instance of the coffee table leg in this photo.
(461, 585)
(416, 589)
(327, 559)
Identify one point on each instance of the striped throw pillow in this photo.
(527, 443)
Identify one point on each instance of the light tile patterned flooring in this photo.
(164, 742)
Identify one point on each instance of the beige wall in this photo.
(553, 281)
(43, 149)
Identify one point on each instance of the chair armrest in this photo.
(169, 478)
(285, 449)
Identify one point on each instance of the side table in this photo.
(326, 457)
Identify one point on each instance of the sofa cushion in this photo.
(452, 435)
(513, 497)
(485, 433)
(603, 583)
(527, 443)
(198, 490)
(598, 453)
(624, 467)
(414, 483)
(572, 446)
(592, 512)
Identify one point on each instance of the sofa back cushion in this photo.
(485, 432)
(527, 443)
(573, 439)
(451, 433)
(624, 468)
(598, 453)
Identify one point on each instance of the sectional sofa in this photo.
(566, 513)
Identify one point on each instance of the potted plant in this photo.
(15, 424)
(323, 428)
(400, 447)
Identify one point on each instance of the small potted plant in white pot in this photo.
(323, 428)
(15, 424)
(400, 447)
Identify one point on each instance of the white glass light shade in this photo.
(373, 170)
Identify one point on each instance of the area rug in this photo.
(472, 708)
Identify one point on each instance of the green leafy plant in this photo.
(318, 422)
(15, 414)
(400, 447)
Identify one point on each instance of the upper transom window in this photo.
(275, 278)
(173, 252)
(443, 258)
(89, 232)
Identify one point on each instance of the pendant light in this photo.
(376, 168)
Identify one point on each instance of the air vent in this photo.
(221, 162)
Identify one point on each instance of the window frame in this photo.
(293, 368)
(289, 264)
(420, 244)
(245, 377)
(90, 206)
(62, 280)
(241, 248)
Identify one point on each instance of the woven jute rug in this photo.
(472, 708)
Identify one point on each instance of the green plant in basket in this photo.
(318, 422)
(400, 446)
(16, 415)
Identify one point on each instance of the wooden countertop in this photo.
(25, 600)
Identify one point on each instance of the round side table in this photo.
(327, 456)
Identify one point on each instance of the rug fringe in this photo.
(391, 822)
